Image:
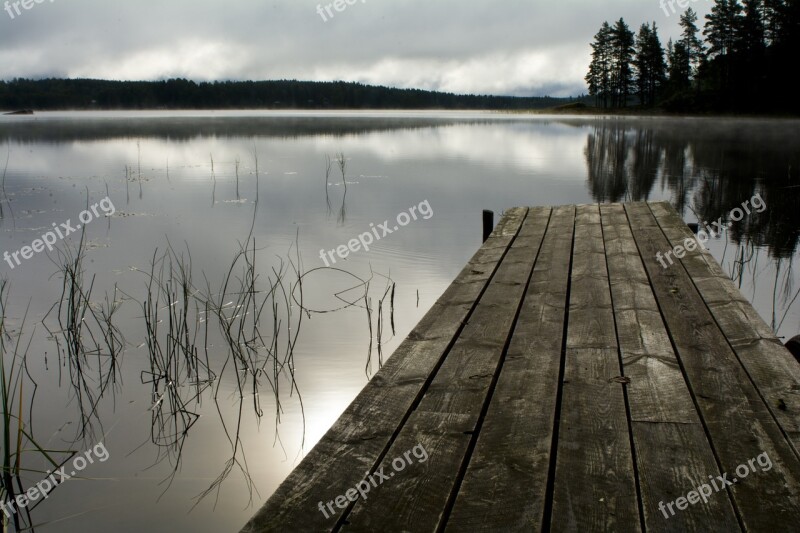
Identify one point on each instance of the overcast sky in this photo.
(518, 47)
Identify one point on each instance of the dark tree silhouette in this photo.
(599, 76)
(649, 64)
(622, 41)
(680, 68)
(692, 44)
(282, 94)
(745, 64)
(722, 27)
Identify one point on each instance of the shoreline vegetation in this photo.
(581, 109)
(576, 109)
(23, 97)
(180, 94)
(739, 61)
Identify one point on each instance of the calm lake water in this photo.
(192, 444)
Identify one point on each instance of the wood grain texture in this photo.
(360, 437)
(772, 367)
(672, 451)
(567, 381)
(505, 484)
(595, 488)
(738, 423)
(449, 413)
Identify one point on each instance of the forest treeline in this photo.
(283, 94)
(741, 61)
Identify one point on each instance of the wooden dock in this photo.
(567, 381)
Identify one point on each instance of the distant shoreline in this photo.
(638, 112)
(587, 112)
(91, 94)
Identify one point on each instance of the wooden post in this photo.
(794, 346)
(488, 223)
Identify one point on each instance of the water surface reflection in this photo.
(196, 193)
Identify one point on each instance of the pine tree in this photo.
(744, 64)
(599, 76)
(649, 64)
(751, 35)
(722, 27)
(679, 67)
(723, 31)
(641, 64)
(691, 43)
(622, 40)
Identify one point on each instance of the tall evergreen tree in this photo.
(722, 31)
(599, 76)
(752, 33)
(750, 67)
(692, 44)
(649, 64)
(722, 27)
(622, 40)
(745, 63)
(679, 67)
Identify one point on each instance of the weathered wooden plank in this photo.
(772, 368)
(504, 487)
(360, 437)
(449, 413)
(737, 421)
(594, 486)
(672, 451)
(710, 389)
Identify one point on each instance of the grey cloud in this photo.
(519, 47)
